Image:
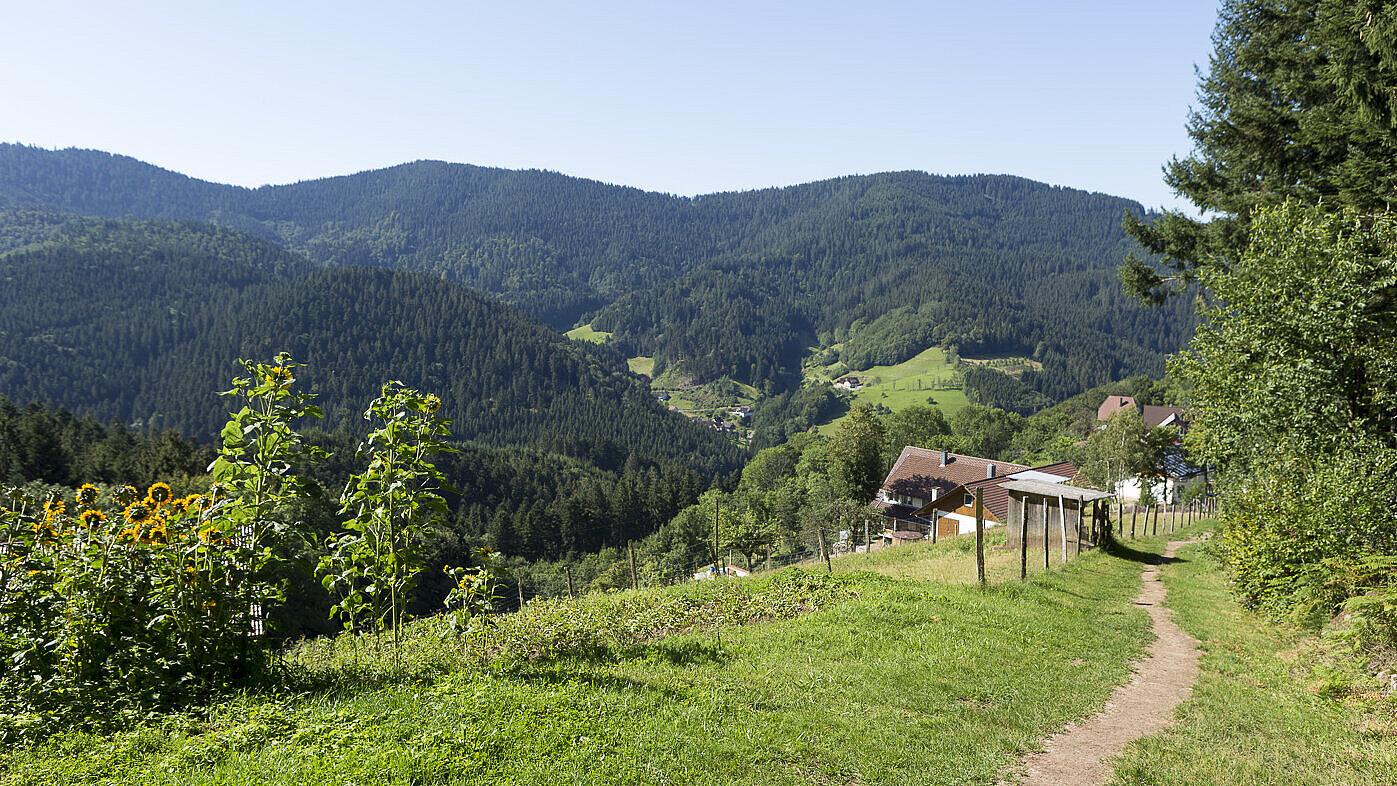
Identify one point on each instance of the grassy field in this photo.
(894, 670)
(880, 681)
(586, 333)
(642, 365)
(901, 385)
(1264, 710)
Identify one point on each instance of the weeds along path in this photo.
(1079, 755)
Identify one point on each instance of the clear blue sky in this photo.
(687, 97)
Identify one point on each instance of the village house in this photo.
(930, 493)
(849, 382)
(1152, 415)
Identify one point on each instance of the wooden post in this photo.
(568, 570)
(1023, 539)
(979, 538)
(1153, 515)
(1062, 525)
(1134, 509)
(635, 580)
(1120, 516)
(1080, 503)
(867, 537)
(519, 585)
(824, 552)
(716, 555)
(1046, 550)
(768, 558)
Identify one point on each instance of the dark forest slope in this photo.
(734, 283)
(142, 321)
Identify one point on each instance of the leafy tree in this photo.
(1298, 103)
(1294, 379)
(855, 455)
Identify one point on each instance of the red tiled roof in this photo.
(1112, 405)
(918, 471)
(1154, 415)
(992, 491)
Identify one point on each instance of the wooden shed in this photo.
(1055, 512)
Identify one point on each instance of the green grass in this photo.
(892, 671)
(897, 385)
(642, 365)
(883, 681)
(586, 333)
(1257, 715)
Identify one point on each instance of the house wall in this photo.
(1167, 490)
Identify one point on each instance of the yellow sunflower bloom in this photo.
(159, 493)
(92, 518)
(87, 495)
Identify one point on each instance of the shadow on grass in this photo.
(1125, 551)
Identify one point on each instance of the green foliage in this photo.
(373, 566)
(855, 455)
(112, 605)
(1294, 376)
(1296, 104)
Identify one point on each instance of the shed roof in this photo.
(1054, 490)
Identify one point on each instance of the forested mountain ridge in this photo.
(142, 320)
(734, 284)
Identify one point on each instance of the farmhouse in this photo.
(1176, 476)
(849, 382)
(1152, 415)
(931, 492)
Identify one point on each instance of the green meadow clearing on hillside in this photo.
(642, 365)
(586, 333)
(881, 681)
(910, 382)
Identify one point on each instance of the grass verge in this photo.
(885, 681)
(1266, 709)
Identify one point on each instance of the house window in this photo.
(969, 500)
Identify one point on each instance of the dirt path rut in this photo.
(1078, 755)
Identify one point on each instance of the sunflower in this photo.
(54, 509)
(127, 495)
(278, 377)
(92, 518)
(87, 495)
(131, 533)
(157, 532)
(432, 403)
(159, 493)
(209, 534)
(136, 512)
(180, 506)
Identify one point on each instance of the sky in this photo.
(686, 98)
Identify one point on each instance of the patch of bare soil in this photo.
(1078, 755)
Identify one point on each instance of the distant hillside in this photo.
(142, 320)
(735, 284)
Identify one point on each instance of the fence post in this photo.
(1046, 550)
(1062, 526)
(568, 570)
(635, 580)
(1023, 539)
(519, 585)
(1134, 509)
(824, 552)
(979, 538)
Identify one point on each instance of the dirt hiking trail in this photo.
(1079, 755)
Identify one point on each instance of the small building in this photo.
(1056, 513)
(849, 382)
